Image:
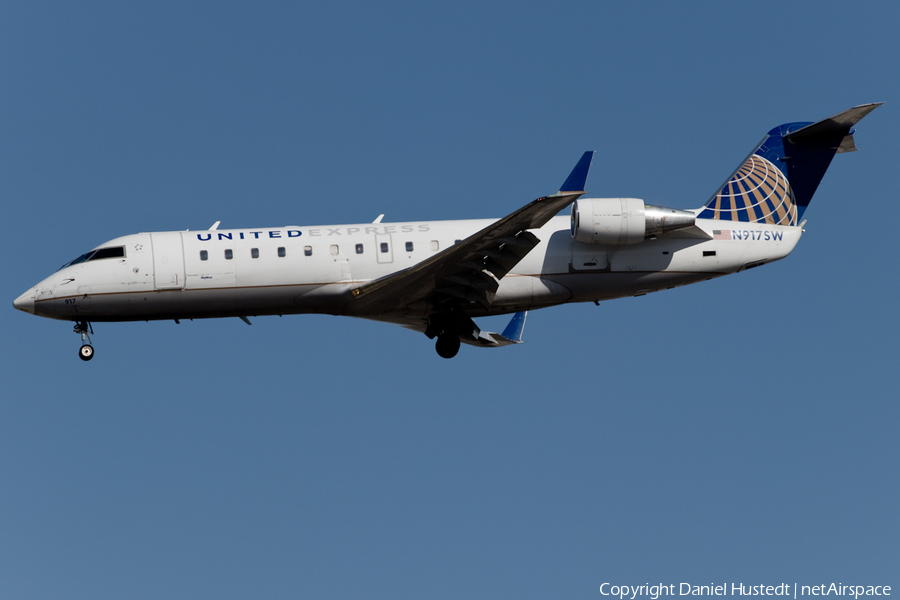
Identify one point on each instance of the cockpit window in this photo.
(117, 252)
(114, 252)
(80, 259)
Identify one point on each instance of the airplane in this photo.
(435, 277)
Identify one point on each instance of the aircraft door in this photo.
(341, 264)
(384, 250)
(168, 260)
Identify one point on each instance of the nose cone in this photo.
(25, 302)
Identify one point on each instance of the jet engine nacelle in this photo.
(617, 221)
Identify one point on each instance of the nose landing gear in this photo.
(86, 352)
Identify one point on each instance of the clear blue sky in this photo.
(739, 430)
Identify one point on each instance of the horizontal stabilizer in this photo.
(828, 131)
(838, 125)
(847, 145)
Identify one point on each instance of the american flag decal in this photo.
(721, 234)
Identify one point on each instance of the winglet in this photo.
(578, 177)
(513, 331)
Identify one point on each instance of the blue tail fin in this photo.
(776, 182)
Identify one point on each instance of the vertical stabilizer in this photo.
(777, 181)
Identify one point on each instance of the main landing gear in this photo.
(447, 345)
(86, 352)
(445, 327)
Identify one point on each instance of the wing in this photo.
(470, 271)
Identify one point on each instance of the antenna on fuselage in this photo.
(379, 218)
(215, 226)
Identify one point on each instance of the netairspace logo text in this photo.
(654, 592)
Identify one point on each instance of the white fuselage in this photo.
(290, 270)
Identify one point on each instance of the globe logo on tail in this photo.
(757, 193)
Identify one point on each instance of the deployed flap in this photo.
(470, 271)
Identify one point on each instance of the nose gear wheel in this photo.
(86, 352)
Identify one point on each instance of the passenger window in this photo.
(409, 246)
(434, 245)
(204, 255)
(334, 250)
(254, 252)
(307, 250)
(229, 254)
(281, 252)
(384, 247)
(359, 248)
